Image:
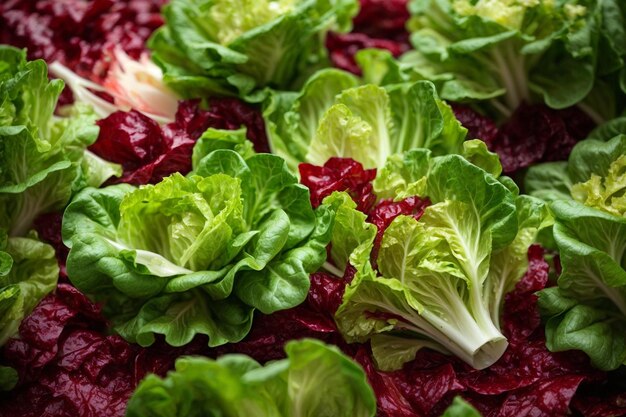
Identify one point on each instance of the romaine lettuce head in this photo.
(439, 281)
(42, 157)
(235, 48)
(314, 380)
(505, 52)
(197, 254)
(334, 116)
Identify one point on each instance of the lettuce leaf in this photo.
(593, 176)
(42, 157)
(587, 311)
(314, 379)
(28, 272)
(197, 254)
(333, 116)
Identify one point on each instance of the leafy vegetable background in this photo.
(390, 207)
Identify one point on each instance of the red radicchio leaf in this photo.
(383, 19)
(536, 133)
(340, 174)
(149, 152)
(234, 113)
(477, 125)
(313, 318)
(426, 387)
(521, 318)
(343, 48)
(606, 399)
(80, 34)
(390, 401)
(69, 367)
(379, 24)
(386, 210)
(550, 397)
(48, 227)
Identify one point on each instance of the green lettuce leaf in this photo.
(28, 272)
(314, 380)
(197, 254)
(460, 408)
(42, 157)
(594, 175)
(214, 139)
(334, 117)
(351, 237)
(227, 47)
(549, 181)
(8, 378)
(292, 118)
(587, 311)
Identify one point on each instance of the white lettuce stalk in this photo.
(132, 84)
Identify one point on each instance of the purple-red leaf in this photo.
(149, 152)
(80, 34)
(340, 174)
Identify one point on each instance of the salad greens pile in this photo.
(400, 208)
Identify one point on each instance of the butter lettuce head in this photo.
(505, 52)
(314, 380)
(197, 254)
(440, 281)
(227, 47)
(333, 116)
(43, 158)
